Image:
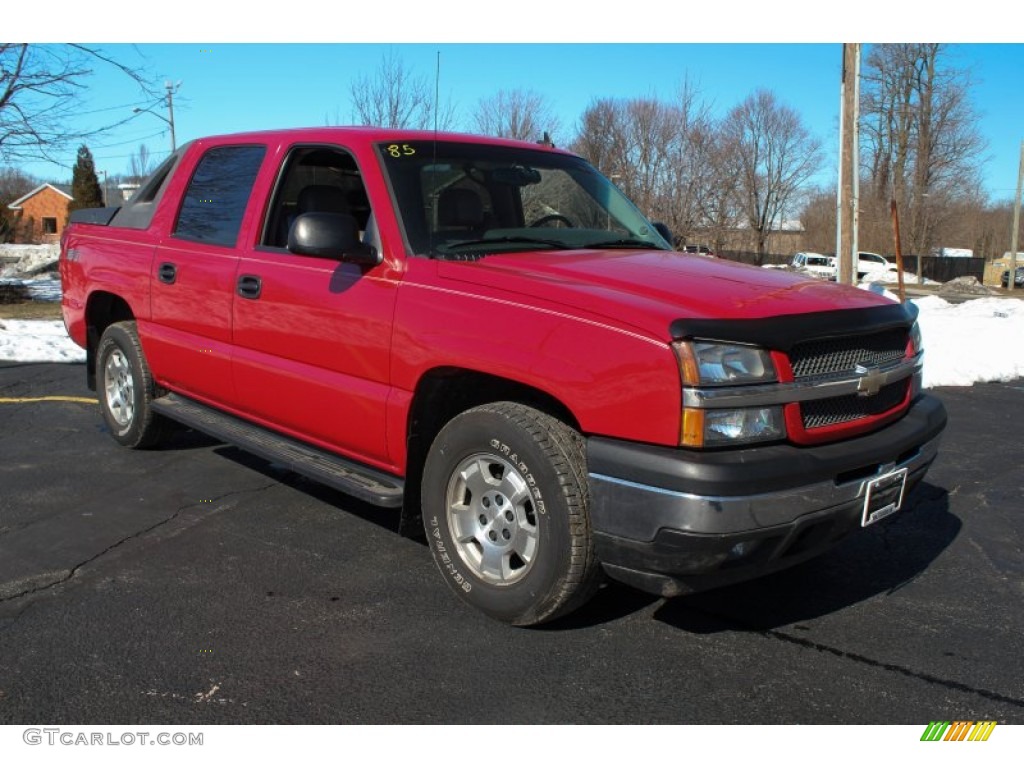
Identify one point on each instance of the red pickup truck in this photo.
(490, 336)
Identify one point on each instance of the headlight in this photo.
(731, 426)
(915, 338)
(709, 364)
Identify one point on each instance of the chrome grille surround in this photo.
(826, 358)
(829, 357)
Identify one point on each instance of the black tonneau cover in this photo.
(101, 216)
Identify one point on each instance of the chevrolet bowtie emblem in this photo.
(870, 381)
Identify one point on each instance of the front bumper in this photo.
(672, 521)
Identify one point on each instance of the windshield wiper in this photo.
(623, 242)
(509, 239)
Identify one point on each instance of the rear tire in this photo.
(126, 388)
(505, 500)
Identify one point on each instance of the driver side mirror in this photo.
(331, 236)
(662, 229)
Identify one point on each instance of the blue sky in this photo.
(228, 87)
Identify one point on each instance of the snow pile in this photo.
(29, 259)
(38, 341)
(892, 277)
(34, 267)
(47, 289)
(979, 340)
(42, 289)
(879, 288)
(965, 287)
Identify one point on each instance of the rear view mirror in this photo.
(331, 236)
(515, 176)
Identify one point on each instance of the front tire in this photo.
(505, 511)
(126, 388)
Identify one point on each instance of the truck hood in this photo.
(648, 290)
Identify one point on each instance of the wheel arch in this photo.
(102, 309)
(441, 394)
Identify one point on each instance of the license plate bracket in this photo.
(883, 496)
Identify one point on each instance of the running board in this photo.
(355, 479)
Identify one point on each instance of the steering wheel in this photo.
(553, 217)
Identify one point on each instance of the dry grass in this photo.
(31, 310)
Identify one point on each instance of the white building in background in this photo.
(127, 190)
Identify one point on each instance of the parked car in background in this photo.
(816, 264)
(700, 250)
(1018, 278)
(872, 262)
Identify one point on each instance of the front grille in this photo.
(839, 410)
(828, 357)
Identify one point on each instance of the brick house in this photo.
(40, 215)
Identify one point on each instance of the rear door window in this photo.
(218, 194)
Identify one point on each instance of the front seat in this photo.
(460, 209)
(321, 198)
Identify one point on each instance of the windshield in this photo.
(459, 200)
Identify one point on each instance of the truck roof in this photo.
(365, 133)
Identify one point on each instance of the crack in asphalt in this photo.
(13, 528)
(858, 658)
(70, 574)
(897, 668)
(10, 621)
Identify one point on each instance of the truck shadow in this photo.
(186, 439)
(878, 560)
(875, 561)
(386, 518)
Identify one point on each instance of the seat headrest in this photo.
(321, 198)
(460, 208)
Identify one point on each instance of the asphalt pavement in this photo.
(198, 584)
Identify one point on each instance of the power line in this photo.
(110, 109)
(154, 155)
(129, 141)
(161, 153)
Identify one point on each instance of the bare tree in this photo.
(140, 165)
(818, 217)
(395, 97)
(600, 137)
(13, 184)
(39, 97)
(719, 204)
(773, 157)
(656, 151)
(921, 144)
(685, 199)
(516, 114)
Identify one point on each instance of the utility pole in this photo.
(1012, 275)
(848, 187)
(171, 90)
(170, 110)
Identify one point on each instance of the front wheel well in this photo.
(441, 395)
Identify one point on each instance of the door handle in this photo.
(167, 273)
(249, 286)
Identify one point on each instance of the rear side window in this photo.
(137, 213)
(218, 193)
